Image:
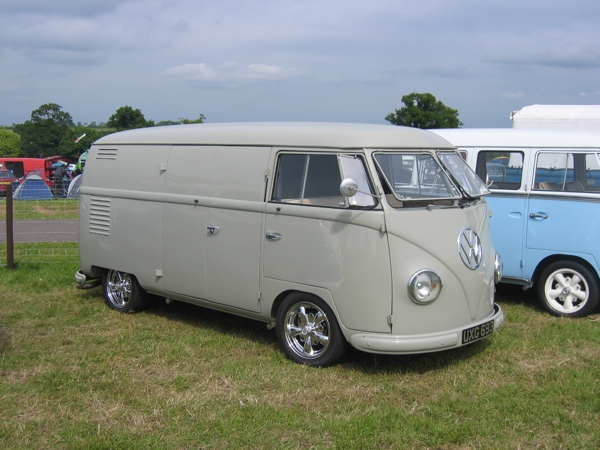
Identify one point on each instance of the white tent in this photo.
(557, 117)
(73, 191)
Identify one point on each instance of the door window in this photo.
(315, 180)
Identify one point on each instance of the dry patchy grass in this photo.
(75, 374)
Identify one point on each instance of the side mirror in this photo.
(348, 187)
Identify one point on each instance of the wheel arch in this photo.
(560, 257)
(324, 296)
(282, 296)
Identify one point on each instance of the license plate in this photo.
(477, 332)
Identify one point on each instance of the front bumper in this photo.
(425, 343)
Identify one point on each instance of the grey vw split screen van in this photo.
(373, 236)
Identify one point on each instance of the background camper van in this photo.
(545, 206)
(372, 236)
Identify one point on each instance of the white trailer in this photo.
(557, 117)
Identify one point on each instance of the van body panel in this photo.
(200, 213)
(334, 249)
(509, 239)
(550, 228)
(434, 247)
(117, 201)
(225, 219)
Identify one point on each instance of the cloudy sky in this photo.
(295, 60)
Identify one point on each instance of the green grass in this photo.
(75, 374)
(56, 208)
(41, 252)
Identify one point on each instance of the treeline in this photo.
(51, 131)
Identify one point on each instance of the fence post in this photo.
(10, 254)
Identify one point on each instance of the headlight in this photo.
(497, 268)
(424, 287)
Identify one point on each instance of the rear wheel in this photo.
(123, 293)
(568, 289)
(307, 331)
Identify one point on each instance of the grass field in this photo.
(56, 208)
(75, 374)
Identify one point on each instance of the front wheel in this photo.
(307, 331)
(568, 289)
(123, 293)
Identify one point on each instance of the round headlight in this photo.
(424, 287)
(497, 268)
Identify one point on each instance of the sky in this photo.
(295, 60)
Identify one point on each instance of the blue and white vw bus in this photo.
(545, 206)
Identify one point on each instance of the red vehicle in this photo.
(21, 167)
(6, 178)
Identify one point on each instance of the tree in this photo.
(41, 135)
(126, 118)
(78, 139)
(425, 112)
(10, 143)
(52, 113)
(201, 118)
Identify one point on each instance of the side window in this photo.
(16, 167)
(315, 180)
(308, 180)
(592, 172)
(500, 169)
(552, 171)
(564, 171)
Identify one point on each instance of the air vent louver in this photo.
(100, 216)
(107, 153)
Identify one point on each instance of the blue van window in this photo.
(500, 169)
(592, 172)
(553, 170)
(567, 172)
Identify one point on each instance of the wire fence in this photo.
(39, 227)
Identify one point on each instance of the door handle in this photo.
(538, 215)
(212, 229)
(273, 236)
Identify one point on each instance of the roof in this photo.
(510, 137)
(281, 134)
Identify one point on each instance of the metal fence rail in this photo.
(38, 229)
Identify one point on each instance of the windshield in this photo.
(416, 176)
(420, 176)
(470, 183)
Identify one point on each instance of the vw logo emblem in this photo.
(469, 248)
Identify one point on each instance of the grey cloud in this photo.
(577, 60)
(232, 72)
(60, 7)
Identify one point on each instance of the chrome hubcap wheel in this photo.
(118, 288)
(307, 330)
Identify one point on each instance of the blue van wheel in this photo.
(568, 289)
